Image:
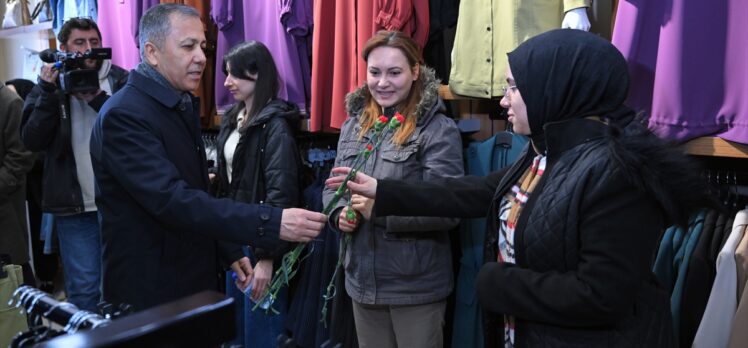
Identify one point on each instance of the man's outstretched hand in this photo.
(299, 225)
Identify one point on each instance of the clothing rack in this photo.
(205, 319)
(40, 304)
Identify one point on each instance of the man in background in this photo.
(60, 125)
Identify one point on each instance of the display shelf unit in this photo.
(703, 146)
(25, 29)
(715, 147)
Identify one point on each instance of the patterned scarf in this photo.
(511, 207)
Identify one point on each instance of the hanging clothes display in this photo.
(341, 31)
(137, 9)
(63, 10)
(673, 257)
(283, 26)
(442, 17)
(482, 158)
(716, 325)
(688, 62)
(488, 29)
(115, 23)
(739, 336)
(699, 278)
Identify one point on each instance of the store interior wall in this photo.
(12, 52)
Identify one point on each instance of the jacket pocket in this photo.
(401, 162)
(409, 257)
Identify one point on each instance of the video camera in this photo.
(75, 77)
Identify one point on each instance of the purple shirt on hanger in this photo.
(689, 65)
(260, 20)
(116, 33)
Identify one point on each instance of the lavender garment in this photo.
(689, 65)
(283, 26)
(137, 9)
(116, 33)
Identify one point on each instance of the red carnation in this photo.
(369, 147)
(383, 119)
(400, 118)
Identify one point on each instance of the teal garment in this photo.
(671, 264)
(482, 158)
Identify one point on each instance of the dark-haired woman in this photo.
(258, 162)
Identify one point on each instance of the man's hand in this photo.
(88, 96)
(347, 226)
(49, 74)
(362, 205)
(361, 184)
(263, 273)
(244, 272)
(299, 225)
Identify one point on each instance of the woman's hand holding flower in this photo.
(347, 222)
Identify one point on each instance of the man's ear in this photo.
(63, 47)
(151, 54)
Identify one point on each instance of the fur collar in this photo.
(653, 165)
(354, 101)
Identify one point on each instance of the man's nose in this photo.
(200, 56)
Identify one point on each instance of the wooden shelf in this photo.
(447, 94)
(715, 147)
(25, 29)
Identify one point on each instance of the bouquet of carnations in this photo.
(292, 259)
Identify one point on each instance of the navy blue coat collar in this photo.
(159, 92)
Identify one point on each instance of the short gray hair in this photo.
(155, 24)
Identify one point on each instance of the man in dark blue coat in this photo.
(162, 233)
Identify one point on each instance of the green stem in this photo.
(290, 262)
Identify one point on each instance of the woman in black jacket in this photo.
(575, 222)
(258, 162)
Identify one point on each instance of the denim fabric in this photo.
(49, 234)
(256, 329)
(80, 251)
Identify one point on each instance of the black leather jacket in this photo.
(266, 165)
(43, 129)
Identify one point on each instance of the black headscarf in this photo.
(567, 74)
(23, 87)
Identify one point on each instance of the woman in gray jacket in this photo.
(398, 270)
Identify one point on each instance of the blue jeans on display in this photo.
(80, 251)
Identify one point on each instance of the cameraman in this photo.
(68, 182)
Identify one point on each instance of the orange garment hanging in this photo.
(341, 28)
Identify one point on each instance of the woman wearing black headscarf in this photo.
(575, 222)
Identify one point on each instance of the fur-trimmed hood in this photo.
(426, 108)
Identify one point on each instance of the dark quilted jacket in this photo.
(584, 248)
(584, 242)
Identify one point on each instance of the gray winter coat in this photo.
(402, 260)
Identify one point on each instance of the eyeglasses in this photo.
(506, 89)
